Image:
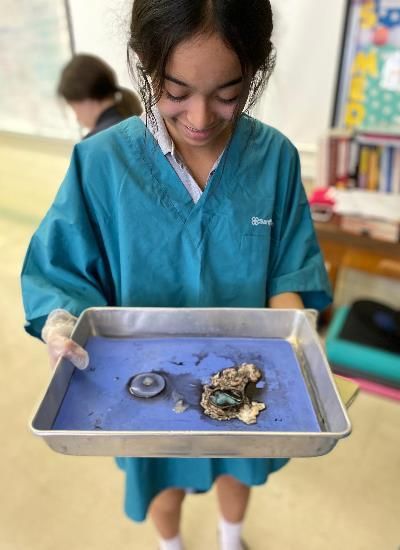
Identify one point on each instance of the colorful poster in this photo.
(369, 87)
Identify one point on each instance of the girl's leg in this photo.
(233, 499)
(165, 511)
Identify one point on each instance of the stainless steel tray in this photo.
(91, 412)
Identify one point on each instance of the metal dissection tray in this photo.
(92, 412)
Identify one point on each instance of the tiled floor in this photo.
(347, 500)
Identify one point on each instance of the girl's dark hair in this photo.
(158, 26)
(89, 77)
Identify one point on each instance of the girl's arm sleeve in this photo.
(297, 264)
(64, 266)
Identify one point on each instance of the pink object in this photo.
(323, 195)
(381, 36)
(321, 201)
(378, 389)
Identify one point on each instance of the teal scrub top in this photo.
(124, 231)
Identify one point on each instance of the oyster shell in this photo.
(225, 397)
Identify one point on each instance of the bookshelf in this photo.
(361, 152)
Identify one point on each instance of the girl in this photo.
(195, 205)
(90, 88)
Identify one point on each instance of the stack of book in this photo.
(368, 160)
(380, 229)
(369, 213)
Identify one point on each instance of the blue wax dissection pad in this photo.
(98, 398)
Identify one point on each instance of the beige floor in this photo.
(347, 500)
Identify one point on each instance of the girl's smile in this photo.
(198, 135)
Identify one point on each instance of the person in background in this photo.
(89, 86)
(196, 204)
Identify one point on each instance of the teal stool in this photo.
(354, 359)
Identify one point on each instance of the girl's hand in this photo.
(56, 333)
(291, 300)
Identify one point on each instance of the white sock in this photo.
(171, 544)
(229, 534)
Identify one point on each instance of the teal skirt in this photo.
(146, 477)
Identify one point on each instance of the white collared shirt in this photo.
(168, 148)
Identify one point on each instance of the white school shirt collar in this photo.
(167, 146)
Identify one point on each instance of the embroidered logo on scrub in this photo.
(260, 221)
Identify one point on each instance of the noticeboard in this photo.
(368, 90)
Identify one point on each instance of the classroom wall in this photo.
(101, 27)
(300, 96)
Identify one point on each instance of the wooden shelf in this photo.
(346, 250)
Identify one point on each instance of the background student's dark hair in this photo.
(158, 26)
(89, 77)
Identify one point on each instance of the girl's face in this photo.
(203, 87)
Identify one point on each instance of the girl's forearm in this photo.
(287, 300)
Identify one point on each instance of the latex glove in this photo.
(57, 335)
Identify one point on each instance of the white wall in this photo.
(101, 27)
(300, 96)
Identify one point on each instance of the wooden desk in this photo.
(342, 249)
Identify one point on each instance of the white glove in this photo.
(57, 335)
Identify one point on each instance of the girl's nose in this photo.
(199, 115)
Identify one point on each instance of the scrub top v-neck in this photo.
(168, 178)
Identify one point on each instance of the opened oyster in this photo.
(225, 398)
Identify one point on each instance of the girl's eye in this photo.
(228, 101)
(174, 97)
(183, 97)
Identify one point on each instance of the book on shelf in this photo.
(383, 230)
(359, 211)
(371, 213)
(357, 159)
(335, 157)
